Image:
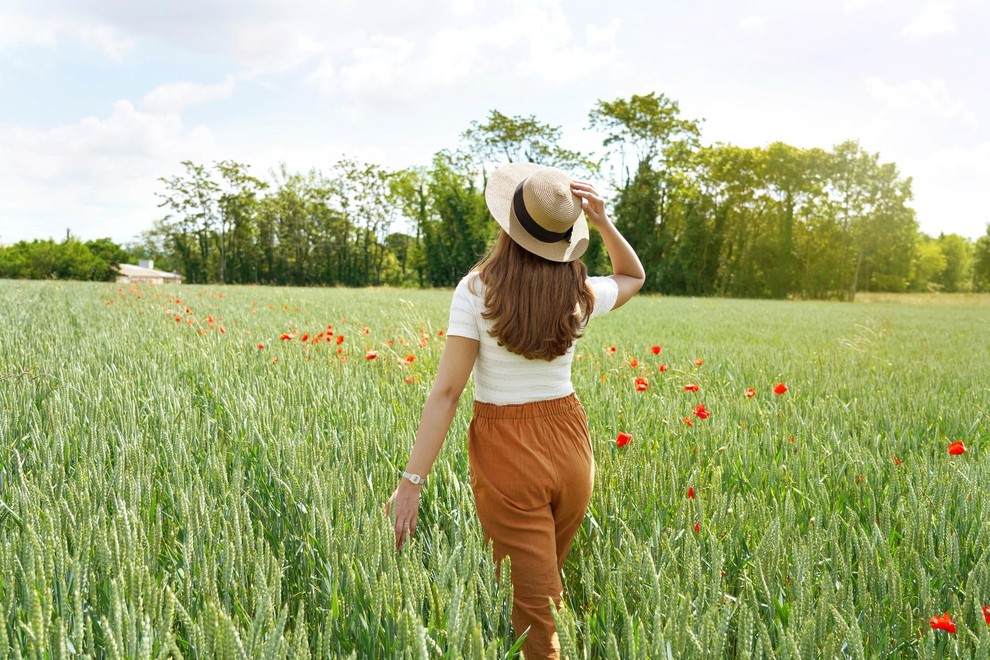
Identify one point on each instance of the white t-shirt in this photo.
(500, 376)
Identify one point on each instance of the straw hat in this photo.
(536, 208)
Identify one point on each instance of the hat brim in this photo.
(498, 195)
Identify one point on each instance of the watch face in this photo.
(416, 479)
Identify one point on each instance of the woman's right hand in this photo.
(592, 203)
(405, 503)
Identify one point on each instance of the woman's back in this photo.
(501, 376)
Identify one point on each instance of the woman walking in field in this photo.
(513, 321)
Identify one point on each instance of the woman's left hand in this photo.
(405, 502)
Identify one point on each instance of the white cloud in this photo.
(277, 47)
(172, 98)
(917, 99)
(18, 30)
(381, 64)
(935, 18)
(753, 24)
(937, 180)
(855, 6)
(96, 173)
(517, 43)
(324, 79)
(604, 35)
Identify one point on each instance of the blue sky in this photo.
(100, 98)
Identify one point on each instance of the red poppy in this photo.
(698, 362)
(750, 393)
(410, 359)
(623, 439)
(371, 355)
(209, 319)
(943, 622)
(221, 330)
(286, 336)
(691, 387)
(687, 420)
(634, 363)
(641, 384)
(662, 367)
(188, 311)
(440, 333)
(410, 380)
(690, 494)
(656, 350)
(261, 347)
(178, 319)
(305, 337)
(611, 349)
(339, 351)
(986, 614)
(779, 388)
(957, 448)
(697, 528)
(700, 412)
(365, 330)
(340, 339)
(897, 461)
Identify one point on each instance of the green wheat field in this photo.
(176, 479)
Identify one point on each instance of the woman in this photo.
(513, 321)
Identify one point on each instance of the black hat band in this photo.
(533, 228)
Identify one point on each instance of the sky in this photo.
(101, 98)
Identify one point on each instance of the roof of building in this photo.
(137, 271)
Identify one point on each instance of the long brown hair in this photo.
(539, 307)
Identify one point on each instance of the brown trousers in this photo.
(532, 472)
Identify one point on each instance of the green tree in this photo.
(981, 262)
(653, 199)
(191, 200)
(928, 264)
(957, 275)
(410, 192)
(365, 196)
(522, 139)
(237, 207)
(70, 259)
(456, 235)
(869, 200)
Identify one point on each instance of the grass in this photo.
(927, 299)
(166, 488)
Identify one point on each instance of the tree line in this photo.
(717, 219)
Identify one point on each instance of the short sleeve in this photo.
(463, 319)
(606, 293)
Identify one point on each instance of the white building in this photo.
(145, 273)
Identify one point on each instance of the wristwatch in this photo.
(413, 477)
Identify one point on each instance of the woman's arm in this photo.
(456, 363)
(627, 269)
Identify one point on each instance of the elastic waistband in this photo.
(525, 410)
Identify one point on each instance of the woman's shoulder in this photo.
(606, 292)
(472, 284)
